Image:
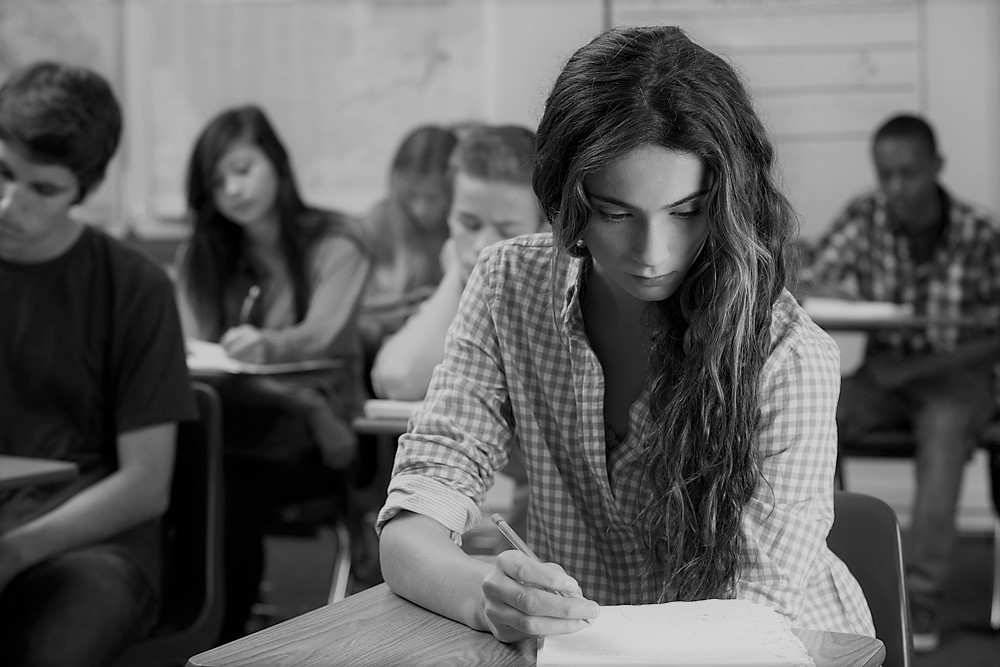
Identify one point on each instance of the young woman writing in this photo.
(673, 404)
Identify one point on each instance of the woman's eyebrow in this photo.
(617, 202)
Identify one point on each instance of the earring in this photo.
(580, 244)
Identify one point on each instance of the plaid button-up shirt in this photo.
(520, 372)
(868, 254)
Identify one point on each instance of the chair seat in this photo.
(899, 443)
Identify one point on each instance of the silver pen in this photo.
(520, 545)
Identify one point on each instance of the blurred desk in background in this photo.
(18, 471)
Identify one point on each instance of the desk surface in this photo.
(843, 323)
(18, 471)
(377, 627)
(394, 426)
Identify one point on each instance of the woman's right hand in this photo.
(520, 601)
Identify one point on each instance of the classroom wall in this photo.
(345, 79)
(953, 76)
(963, 68)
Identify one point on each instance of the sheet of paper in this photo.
(707, 633)
(206, 357)
(381, 408)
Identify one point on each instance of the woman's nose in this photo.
(232, 186)
(651, 243)
(9, 195)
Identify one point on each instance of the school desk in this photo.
(901, 323)
(16, 471)
(870, 316)
(385, 417)
(377, 627)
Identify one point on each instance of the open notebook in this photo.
(708, 633)
(205, 357)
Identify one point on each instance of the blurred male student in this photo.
(492, 200)
(93, 372)
(912, 242)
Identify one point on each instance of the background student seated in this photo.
(490, 175)
(94, 373)
(912, 242)
(674, 405)
(273, 280)
(405, 233)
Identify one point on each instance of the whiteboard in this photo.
(824, 74)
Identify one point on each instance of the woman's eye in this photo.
(693, 213)
(613, 217)
(45, 190)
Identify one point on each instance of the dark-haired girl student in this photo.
(674, 406)
(273, 280)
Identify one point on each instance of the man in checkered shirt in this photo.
(911, 242)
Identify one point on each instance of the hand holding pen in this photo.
(245, 342)
(525, 597)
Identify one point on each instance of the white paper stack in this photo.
(708, 633)
(204, 357)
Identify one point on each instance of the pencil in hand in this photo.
(519, 544)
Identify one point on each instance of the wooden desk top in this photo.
(16, 471)
(377, 627)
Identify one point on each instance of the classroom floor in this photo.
(968, 639)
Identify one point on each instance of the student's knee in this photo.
(80, 608)
(960, 417)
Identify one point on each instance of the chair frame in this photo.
(855, 539)
(168, 645)
(898, 443)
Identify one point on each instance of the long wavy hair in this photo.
(631, 87)
(217, 246)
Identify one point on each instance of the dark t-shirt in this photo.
(90, 347)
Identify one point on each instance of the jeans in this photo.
(946, 413)
(79, 609)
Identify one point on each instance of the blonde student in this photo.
(674, 405)
(406, 232)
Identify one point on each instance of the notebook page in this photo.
(206, 357)
(708, 633)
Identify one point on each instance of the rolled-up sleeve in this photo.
(462, 435)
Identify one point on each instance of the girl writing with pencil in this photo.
(273, 280)
(673, 404)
